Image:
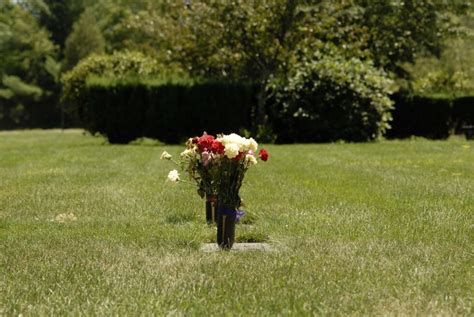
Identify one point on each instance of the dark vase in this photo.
(211, 209)
(226, 216)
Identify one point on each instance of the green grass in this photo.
(377, 228)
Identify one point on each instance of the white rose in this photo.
(231, 150)
(232, 138)
(250, 159)
(253, 145)
(173, 176)
(187, 153)
(165, 156)
(245, 145)
(235, 138)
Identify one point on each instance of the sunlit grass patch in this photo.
(364, 229)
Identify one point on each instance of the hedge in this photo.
(173, 110)
(45, 114)
(165, 110)
(434, 117)
(463, 112)
(421, 116)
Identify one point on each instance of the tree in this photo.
(84, 40)
(390, 33)
(257, 40)
(24, 47)
(453, 72)
(235, 40)
(265, 41)
(60, 17)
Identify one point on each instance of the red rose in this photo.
(263, 155)
(239, 156)
(217, 147)
(205, 142)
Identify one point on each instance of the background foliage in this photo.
(84, 40)
(424, 46)
(168, 110)
(27, 64)
(332, 98)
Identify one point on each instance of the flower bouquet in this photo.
(200, 161)
(239, 155)
(218, 166)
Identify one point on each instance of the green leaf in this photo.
(19, 87)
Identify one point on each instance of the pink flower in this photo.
(206, 158)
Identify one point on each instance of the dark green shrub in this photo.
(463, 112)
(120, 66)
(117, 65)
(434, 116)
(332, 98)
(429, 117)
(170, 111)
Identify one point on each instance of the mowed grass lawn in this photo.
(376, 228)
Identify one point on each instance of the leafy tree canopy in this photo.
(24, 46)
(84, 40)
